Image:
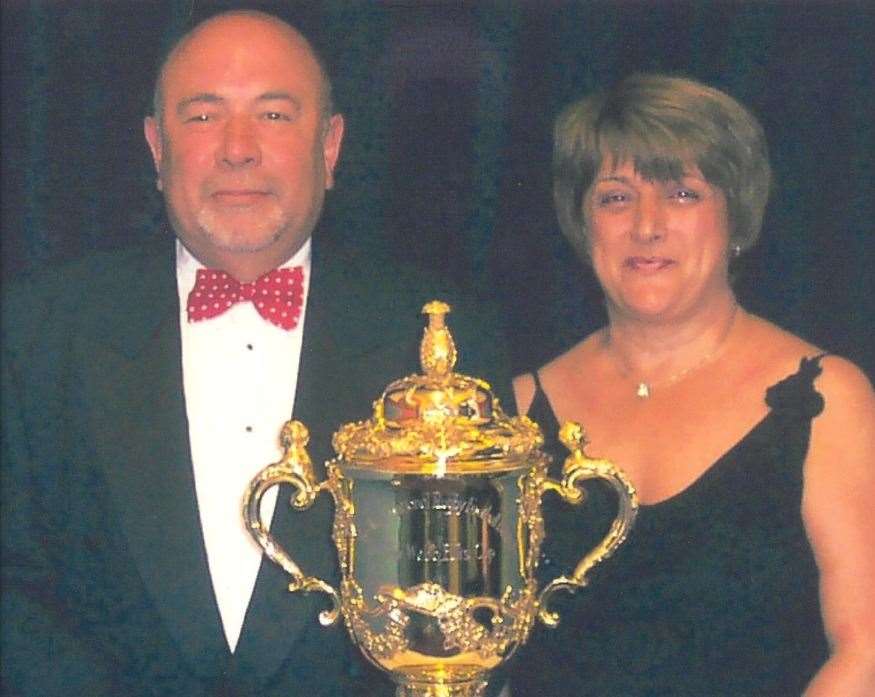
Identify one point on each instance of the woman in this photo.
(751, 567)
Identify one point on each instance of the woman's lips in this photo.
(648, 264)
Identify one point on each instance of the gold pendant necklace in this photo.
(644, 388)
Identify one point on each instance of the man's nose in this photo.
(240, 147)
(649, 224)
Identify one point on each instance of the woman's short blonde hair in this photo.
(662, 124)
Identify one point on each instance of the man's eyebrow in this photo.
(279, 96)
(200, 98)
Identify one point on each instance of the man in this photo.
(136, 406)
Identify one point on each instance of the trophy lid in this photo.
(438, 422)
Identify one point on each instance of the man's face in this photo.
(243, 152)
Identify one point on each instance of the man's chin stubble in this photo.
(239, 241)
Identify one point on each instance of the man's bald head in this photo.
(256, 17)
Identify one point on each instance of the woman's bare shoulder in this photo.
(555, 371)
(582, 353)
(847, 392)
(778, 341)
(785, 350)
(523, 392)
(785, 345)
(772, 353)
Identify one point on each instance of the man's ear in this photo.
(152, 131)
(331, 147)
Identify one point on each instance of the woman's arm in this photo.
(839, 511)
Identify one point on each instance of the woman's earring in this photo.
(736, 250)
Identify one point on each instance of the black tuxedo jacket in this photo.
(106, 589)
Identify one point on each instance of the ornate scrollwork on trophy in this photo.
(483, 625)
(510, 620)
(381, 630)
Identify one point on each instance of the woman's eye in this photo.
(684, 194)
(611, 197)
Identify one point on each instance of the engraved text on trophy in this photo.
(449, 534)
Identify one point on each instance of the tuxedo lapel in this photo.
(140, 427)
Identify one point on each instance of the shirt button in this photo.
(249, 429)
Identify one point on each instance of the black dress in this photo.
(715, 592)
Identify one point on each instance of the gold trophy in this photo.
(438, 524)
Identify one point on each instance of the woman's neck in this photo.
(656, 352)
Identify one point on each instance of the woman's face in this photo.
(659, 249)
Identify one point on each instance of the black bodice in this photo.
(715, 591)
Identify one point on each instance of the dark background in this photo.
(449, 110)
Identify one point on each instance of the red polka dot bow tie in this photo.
(276, 296)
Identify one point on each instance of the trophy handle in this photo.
(294, 468)
(577, 468)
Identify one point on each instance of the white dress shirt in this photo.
(239, 376)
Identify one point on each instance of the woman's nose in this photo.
(649, 224)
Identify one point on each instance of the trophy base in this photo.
(475, 688)
(432, 682)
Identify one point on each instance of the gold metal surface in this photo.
(438, 523)
(439, 422)
(578, 468)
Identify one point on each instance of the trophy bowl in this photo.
(438, 524)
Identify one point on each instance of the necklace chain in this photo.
(644, 388)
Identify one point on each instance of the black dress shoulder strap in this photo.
(540, 410)
(795, 394)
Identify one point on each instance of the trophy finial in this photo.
(437, 352)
